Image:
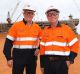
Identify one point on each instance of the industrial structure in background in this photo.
(10, 16)
(71, 22)
(4, 27)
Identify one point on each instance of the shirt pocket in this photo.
(35, 34)
(60, 37)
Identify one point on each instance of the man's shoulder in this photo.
(36, 25)
(66, 29)
(47, 27)
(65, 26)
(17, 22)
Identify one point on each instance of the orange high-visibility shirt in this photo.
(24, 36)
(58, 41)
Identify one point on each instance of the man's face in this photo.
(28, 15)
(52, 16)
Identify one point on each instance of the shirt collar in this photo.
(58, 25)
(25, 22)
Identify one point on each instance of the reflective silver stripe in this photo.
(73, 41)
(53, 43)
(42, 43)
(26, 39)
(10, 37)
(57, 53)
(24, 46)
(22, 39)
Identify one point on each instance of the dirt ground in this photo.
(4, 69)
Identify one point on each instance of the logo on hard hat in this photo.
(29, 7)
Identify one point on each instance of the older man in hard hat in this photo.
(58, 46)
(23, 36)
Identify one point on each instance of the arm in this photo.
(73, 44)
(7, 52)
(7, 49)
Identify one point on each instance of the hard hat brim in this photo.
(56, 10)
(29, 10)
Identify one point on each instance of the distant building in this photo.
(43, 24)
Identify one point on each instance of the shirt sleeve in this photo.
(12, 33)
(73, 43)
(7, 49)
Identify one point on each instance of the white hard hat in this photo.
(52, 8)
(28, 7)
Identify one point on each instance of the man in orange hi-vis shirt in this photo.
(59, 45)
(23, 36)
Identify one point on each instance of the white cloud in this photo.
(66, 8)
